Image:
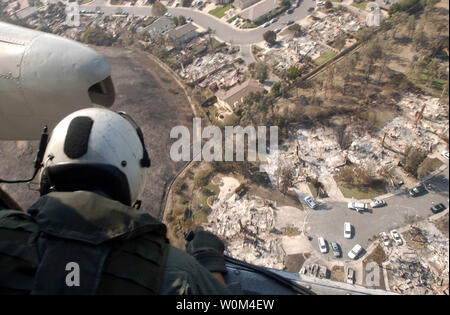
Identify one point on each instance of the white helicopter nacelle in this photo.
(43, 78)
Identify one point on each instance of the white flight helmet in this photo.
(96, 149)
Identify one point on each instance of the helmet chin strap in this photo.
(37, 162)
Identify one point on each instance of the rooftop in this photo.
(238, 92)
(259, 9)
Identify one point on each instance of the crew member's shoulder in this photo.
(17, 220)
(18, 252)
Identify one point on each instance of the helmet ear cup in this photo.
(44, 185)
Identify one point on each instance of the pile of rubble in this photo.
(316, 270)
(291, 53)
(224, 79)
(423, 266)
(424, 122)
(206, 66)
(247, 225)
(335, 23)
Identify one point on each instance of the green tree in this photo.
(293, 73)
(328, 4)
(270, 37)
(182, 20)
(260, 71)
(175, 20)
(339, 42)
(186, 3)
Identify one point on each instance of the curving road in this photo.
(223, 30)
(228, 33)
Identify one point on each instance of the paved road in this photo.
(223, 30)
(328, 220)
(226, 32)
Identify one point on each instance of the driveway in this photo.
(328, 220)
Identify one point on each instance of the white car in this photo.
(168, 14)
(358, 206)
(266, 24)
(347, 230)
(310, 202)
(356, 250)
(445, 154)
(273, 20)
(322, 245)
(385, 238)
(396, 236)
(277, 30)
(377, 203)
(320, 3)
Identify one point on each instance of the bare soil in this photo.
(338, 273)
(295, 262)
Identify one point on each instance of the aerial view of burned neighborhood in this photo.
(311, 137)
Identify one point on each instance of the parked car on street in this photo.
(385, 238)
(336, 250)
(320, 3)
(277, 30)
(396, 236)
(438, 208)
(358, 206)
(347, 230)
(416, 191)
(378, 203)
(322, 245)
(266, 24)
(290, 11)
(310, 9)
(356, 250)
(289, 22)
(273, 20)
(445, 154)
(310, 202)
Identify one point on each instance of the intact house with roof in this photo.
(259, 9)
(160, 26)
(242, 4)
(231, 98)
(181, 34)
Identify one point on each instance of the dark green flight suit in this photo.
(109, 247)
